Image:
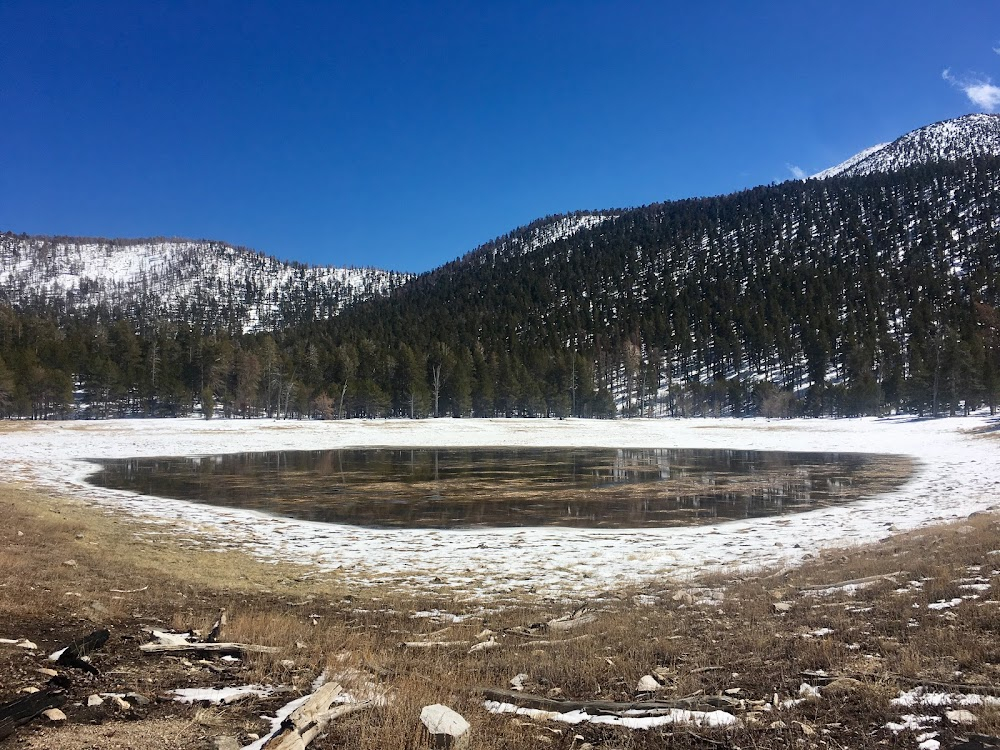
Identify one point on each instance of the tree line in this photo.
(842, 297)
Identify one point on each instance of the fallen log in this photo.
(233, 649)
(433, 644)
(554, 641)
(22, 710)
(567, 622)
(853, 582)
(528, 700)
(307, 721)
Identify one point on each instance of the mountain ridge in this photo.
(962, 137)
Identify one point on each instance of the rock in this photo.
(120, 703)
(137, 699)
(47, 672)
(447, 728)
(25, 643)
(963, 530)
(960, 717)
(517, 681)
(647, 684)
(70, 563)
(841, 686)
(782, 606)
(30, 690)
(79, 536)
(226, 743)
(54, 714)
(807, 730)
(94, 700)
(20, 533)
(778, 725)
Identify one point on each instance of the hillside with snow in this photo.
(962, 138)
(211, 283)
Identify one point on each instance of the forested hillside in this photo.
(843, 296)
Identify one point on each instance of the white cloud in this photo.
(797, 172)
(979, 89)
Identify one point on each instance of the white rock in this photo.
(517, 681)
(54, 714)
(647, 684)
(94, 700)
(444, 725)
(960, 717)
(782, 606)
(70, 563)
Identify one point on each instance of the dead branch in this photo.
(554, 642)
(853, 581)
(433, 644)
(234, 649)
(306, 722)
(693, 703)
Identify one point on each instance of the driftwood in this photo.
(852, 582)
(306, 722)
(527, 700)
(433, 644)
(576, 619)
(74, 654)
(207, 648)
(554, 642)
(22, 710)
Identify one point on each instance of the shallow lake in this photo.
(509, 487)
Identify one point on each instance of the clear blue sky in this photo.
(402, 135)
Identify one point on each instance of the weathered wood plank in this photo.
(22, 710)
(528, 700)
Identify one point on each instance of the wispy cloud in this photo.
(979, 89)
(797, 172)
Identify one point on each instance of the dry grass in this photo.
(719, 634)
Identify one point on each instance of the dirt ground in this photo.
(922, 611)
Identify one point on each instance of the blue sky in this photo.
(402, 135)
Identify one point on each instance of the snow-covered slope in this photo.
(961, 138)
(210, 283)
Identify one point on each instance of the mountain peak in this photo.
(961, 138)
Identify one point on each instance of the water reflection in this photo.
(461, 488)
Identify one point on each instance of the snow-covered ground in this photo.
(958, 473)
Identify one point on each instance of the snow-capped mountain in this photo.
(211, 283)
(961, 138)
